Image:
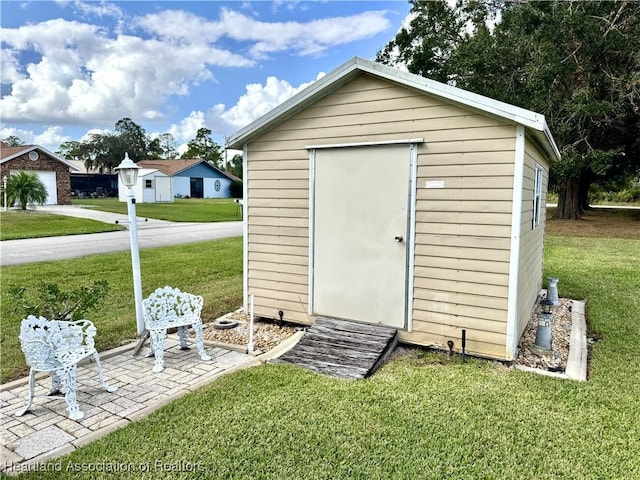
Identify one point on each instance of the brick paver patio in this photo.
(46, 432)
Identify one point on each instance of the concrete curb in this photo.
(281, 349)
(577, 361)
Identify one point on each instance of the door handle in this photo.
(398, 238)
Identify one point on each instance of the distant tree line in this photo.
(104, 151)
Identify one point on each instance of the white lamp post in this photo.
(128, 174)
(4, 191)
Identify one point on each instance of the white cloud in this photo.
(95, 8)
(259, 99)
(186, 130)
(9, 67)
(310, 38)
(84, 75)
(50, 138)
(302, 38)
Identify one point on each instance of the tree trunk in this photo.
(585, 186)
(569, 204)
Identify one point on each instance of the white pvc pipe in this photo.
(250, 346)
(135, 260)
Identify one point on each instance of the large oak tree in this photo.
(576, 62)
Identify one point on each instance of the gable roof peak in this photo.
(354, 67)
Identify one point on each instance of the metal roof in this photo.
(534, 122)
(175, 166)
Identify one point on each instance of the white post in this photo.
(4, 190)
(135, 259)
(250, 346)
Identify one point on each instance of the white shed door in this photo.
(163, 189)
(48, 178)
(360, 230)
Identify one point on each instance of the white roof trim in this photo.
(366, 144)
(30, 148)
(350, 69)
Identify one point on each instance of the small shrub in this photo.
(25, 188)
(50, 301)
(631, 194)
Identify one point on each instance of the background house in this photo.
(153, 186)
(383, 197)
(92, 182)
(193, 178)
(53, 171)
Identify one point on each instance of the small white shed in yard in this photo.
(193, 177)
(383, 197)
(153, 186)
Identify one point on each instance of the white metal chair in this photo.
(57, 347)
(166, 308)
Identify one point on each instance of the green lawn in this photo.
(212, 269)
(180, 210)
(16, 224)
(419, 417)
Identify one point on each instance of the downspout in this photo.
(245, 229)
(514, 257)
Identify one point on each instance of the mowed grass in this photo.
(16, 224)
(212, 269)
(422, 416)
(180, 210)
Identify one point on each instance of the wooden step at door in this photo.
(342, 348)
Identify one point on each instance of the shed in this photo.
(194, 178)
(379, 196)
(52, 170)
(152, 186)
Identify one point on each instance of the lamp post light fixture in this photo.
(552, 291)
(546, 306)
(128, 175)
(544, 332)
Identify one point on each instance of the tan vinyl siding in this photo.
(463, 239)
(531, 240)
(462, 231)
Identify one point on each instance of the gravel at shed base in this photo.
(266, 334)
(560, 334)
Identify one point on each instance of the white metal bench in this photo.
(57, 347)
(166, 308)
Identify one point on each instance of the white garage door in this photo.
(48, 178)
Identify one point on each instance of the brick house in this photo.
(52, 170)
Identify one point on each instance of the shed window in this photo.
(537, 196)
(148, 183)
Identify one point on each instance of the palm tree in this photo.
(25, 188)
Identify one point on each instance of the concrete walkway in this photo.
(46, 432)
(98, 215)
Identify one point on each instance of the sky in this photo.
(70, 68)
